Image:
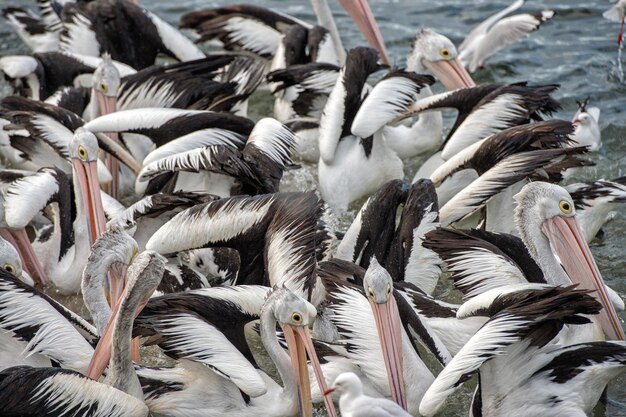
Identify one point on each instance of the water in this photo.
(577, 49)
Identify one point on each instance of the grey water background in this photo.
(576, 49)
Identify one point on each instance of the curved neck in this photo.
(277, 353)
(94, 278)
(529, 225)
(122, 374)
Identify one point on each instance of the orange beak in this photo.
(390, 333)
(299, 344)
(19, 239)
(451, 73)
(569, 244)
(87, 174)
(362, 15)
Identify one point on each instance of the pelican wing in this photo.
(33, 31)
(71, 98)
(532, 315)
(27, 196)
(505, 173)
(477, 264)
(176, 44)
(163, 125)
(53, 391)
(241, 27)
(373, 228)
(157, 204)
(408, 260)
(215, 158)
(208, 326)
(178, 85)
(352, 314)
(389, 98)
(44, 325)
(18, 66)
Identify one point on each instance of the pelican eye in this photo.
(296, 318)
(10, 269)
(388, 289)
(103, 87)
(370, 292)
(82, 153)
(565, 206)
(445, 53)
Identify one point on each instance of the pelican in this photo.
(557, 254)
(67, 247)
(66, 392)
(12, 263)
(541, 378)
(83, 33)
(353, 403)
(377, 347)
(223, 393)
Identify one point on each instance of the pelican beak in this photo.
(20, 240)
(390, 333)
(362, 15)
(102, 354)
(569, 243)
(106, 104)
(451, 73)
(299, 344)
(114, 149)
(87, 173)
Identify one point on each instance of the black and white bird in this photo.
(521, 370)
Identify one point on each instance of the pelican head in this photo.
(84, 153)
(144, 275)
(106, 84)
(378, 287)
(294, 315)
(11, 262)
(115, 249)
(434, 52)
(546, 218)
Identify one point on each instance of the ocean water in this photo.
(576, 49)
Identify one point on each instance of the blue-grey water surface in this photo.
(577, 50)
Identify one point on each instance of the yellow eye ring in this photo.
(388, 289)
(445, 53)
(103, 87)
(296, 318)
(10, 269)
(82, 153)
(565, 206)
(370, 291)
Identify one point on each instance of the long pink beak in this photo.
(390, 334)
(87, 174)
(107, 105)
(102, 354)
(569, 243)
(362, 15)
(299, 344)
(451, 73)
(19, 239)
